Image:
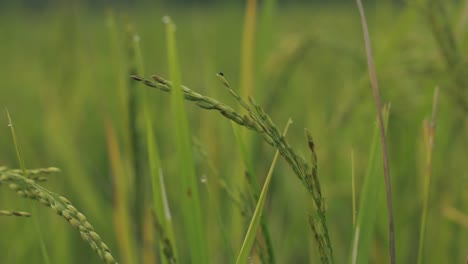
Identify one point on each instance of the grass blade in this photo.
(15, 142)
(255, 222)
(191, 205)
(252, 191)
(121, 213)
(380, 119)
(369, 202)
(160, 201)
(429, 129)
(37, 226)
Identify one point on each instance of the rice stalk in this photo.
(167, 247)
(258, 121)
(29, 189)
(317, 220)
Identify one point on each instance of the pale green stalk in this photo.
(167, 246)
(160, 200)
(429, 131)
(191, 204)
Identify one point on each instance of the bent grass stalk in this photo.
(258, 121)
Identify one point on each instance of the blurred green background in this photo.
(64, 77)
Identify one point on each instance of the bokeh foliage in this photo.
(63, 72)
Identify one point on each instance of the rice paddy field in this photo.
(102, 163)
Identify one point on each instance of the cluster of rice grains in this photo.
(27, 187)
(257, 120)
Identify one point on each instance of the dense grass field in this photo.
(127, 156)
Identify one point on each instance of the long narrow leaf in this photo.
(369, 201)
(255, 222)
(37, 226)
(191, 205)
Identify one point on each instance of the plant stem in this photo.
(378, 104)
